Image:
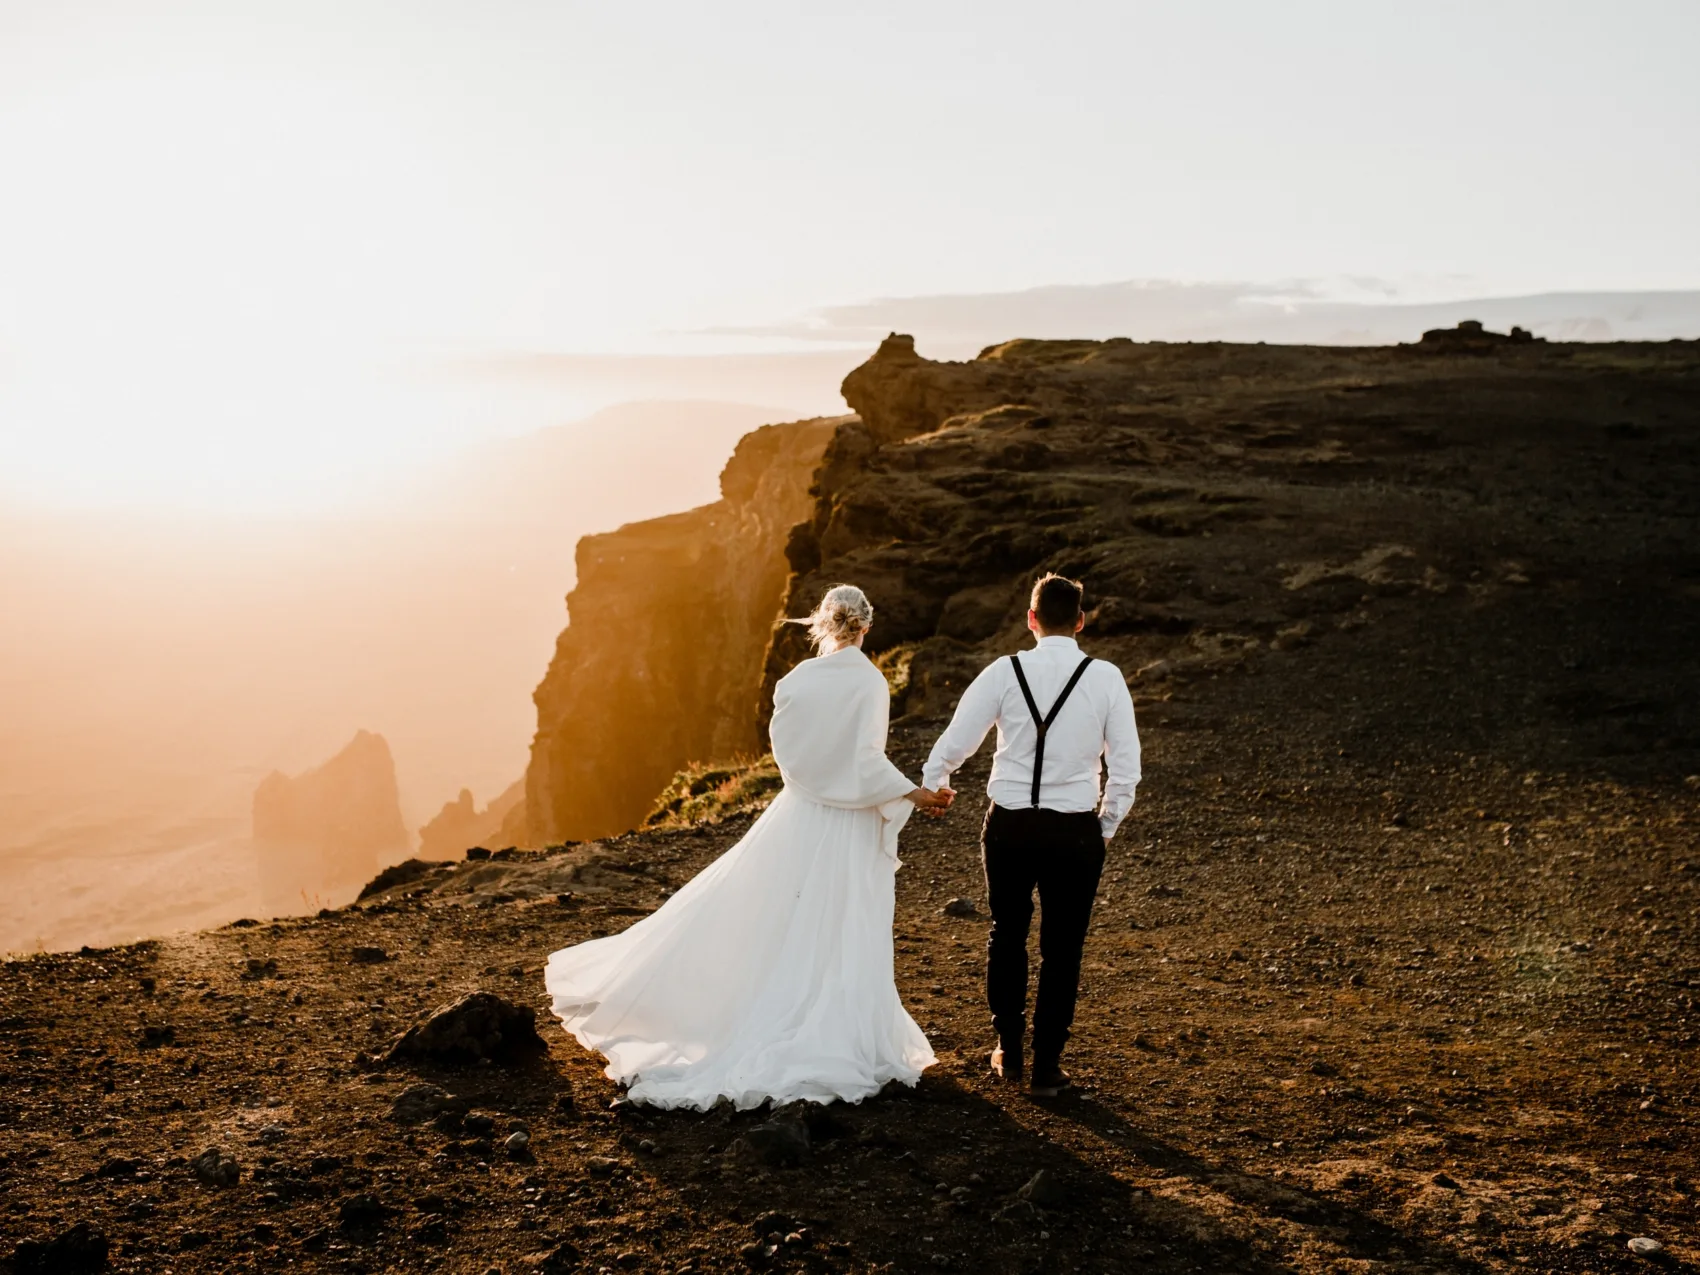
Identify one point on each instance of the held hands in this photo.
(933, 803)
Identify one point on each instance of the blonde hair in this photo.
(843, 615)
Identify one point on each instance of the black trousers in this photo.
(1061, 856)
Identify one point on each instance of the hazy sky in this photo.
(235, 186)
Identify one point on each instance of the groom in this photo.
(1057, 713)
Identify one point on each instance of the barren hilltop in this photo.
(1394, 965)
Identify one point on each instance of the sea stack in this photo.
(460, 824)
(319, 836)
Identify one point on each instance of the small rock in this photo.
(560, 1260)
(272, 1133)
(517, 1144)
(1645, 1246)
(362, 1212)
(432, 1229)
(118, 1167)
(1325, 1069)
(1164, 891)
(480, 1124)
(368, 956)
(214, 1168)
(1043, 1191)
(419, 1103)
(154, 1035)
(773, 1221)
(779, 1142)
(474, 1028)
(1446, 1181)
(600, 1166)
(961, 907)
(74, 1251)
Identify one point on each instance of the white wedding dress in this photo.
(769, 976)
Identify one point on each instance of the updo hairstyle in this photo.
(843, 615)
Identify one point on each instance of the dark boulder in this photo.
(404, 873)
(361, 1214)
(73, 1251)
(214, 1168)
(784, 1140)
(476, 1028)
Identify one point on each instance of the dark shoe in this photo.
(1049, 1080)
(1007, 1064)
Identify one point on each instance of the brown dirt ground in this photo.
(1352, 1003)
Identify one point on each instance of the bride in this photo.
(769, 976)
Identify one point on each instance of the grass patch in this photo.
(894, 663)
(708, 793)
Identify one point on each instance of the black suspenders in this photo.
(1044, 723)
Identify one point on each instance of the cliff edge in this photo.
(661, 661)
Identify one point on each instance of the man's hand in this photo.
(946, 797)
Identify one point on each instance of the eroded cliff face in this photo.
(661, 663)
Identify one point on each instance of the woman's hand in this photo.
(934, 803)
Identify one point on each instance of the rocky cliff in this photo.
(661, 662)
(321, 835)
(1228, 503)
(1225, 505)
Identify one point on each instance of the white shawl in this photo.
(830, 717)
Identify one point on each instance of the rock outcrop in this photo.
(460, 824)
(320, 836)
(661, 662)
(1470, 337)
(476, 1028)
(1223, 503)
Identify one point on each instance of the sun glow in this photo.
(198, 249)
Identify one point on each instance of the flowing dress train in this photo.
(769, 976)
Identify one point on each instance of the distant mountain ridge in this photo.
(1284, 314)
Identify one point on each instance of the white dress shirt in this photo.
(1096, 722)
